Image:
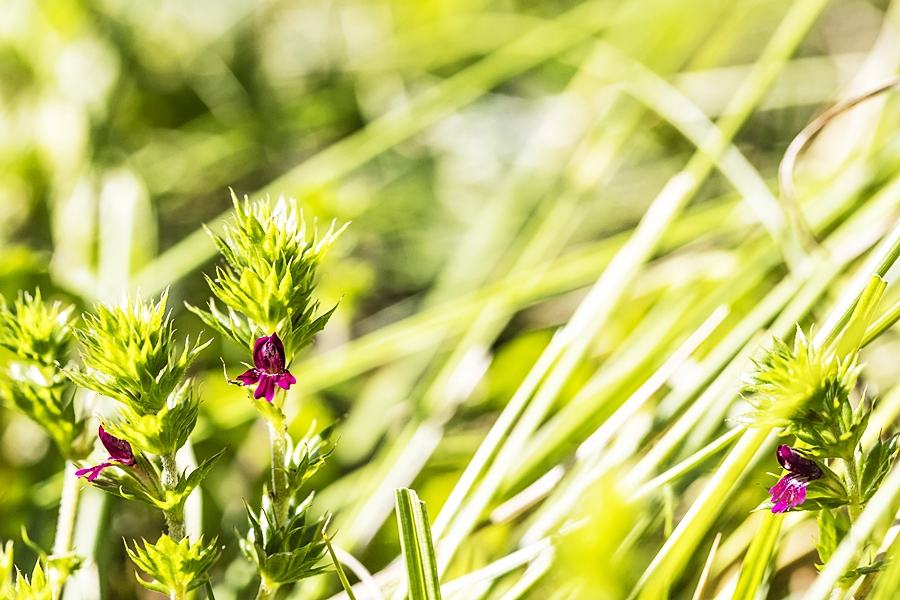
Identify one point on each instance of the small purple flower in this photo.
(119, 452)
(790, 491)
(270, 370)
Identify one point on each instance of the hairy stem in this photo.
(65, 521)
(68, 507)
(174, 516)
(266, 590)
(280, 497)
(855, 507)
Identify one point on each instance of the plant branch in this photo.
(175, 515)
(855, 507)
(65, 521)
(280, 499)
(266, 591)
(68, 507)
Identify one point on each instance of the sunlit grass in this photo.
(567, 244)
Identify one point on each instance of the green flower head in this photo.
(130, 354)
(269, 276)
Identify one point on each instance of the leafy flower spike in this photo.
(119, 452)
(790, 491)
(270, 370)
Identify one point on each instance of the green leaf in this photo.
(36, 331)
(270, 411)
(854, 574)
(37, 588)
(830, 535)
(186, 484)
(140, 482)
(889, 581)
(43, 395)
(7, 568)
(758, 557)
(288, 553)
(877, 464)
(40, 334)
(850, 339)
(176, 567)
(130, 354)
(342, 576)
(307, 457)
(269, 276)
(163, 432)
(417, 547)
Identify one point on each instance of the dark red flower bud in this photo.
(270, 369)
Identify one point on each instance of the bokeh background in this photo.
(491, 156)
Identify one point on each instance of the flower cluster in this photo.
(809, 390)
(39, 335)
(129, 354)
(806, 390)
(267, 285)
(269, 276)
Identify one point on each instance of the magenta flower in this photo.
(790, 491)
(119, 452)
(270, 370)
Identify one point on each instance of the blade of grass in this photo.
(545, 41)
(337, 564)
(698, 518)
(704, 575)
(554, 218)
(668, 102)
(417, 547)
(568, 347)
(888, 581)
(690, 463)
(758, 557)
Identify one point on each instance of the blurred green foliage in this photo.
(492, 156)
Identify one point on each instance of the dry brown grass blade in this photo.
(799, 143)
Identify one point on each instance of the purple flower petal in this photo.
(284, 380)
(790, 491)
(119, 450)
(793, 462)
(257, 349)
(265, 388)
(119, 453)
(268, 354)
(249, 377)
(270, 370)
(799, 495)
(92, 472)
(784, 455)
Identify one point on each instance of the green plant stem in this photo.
(882, 504)
(280, 497)
(65, 521)
(175, 515)
(266, 591)
(68, 507)
(855, 507)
